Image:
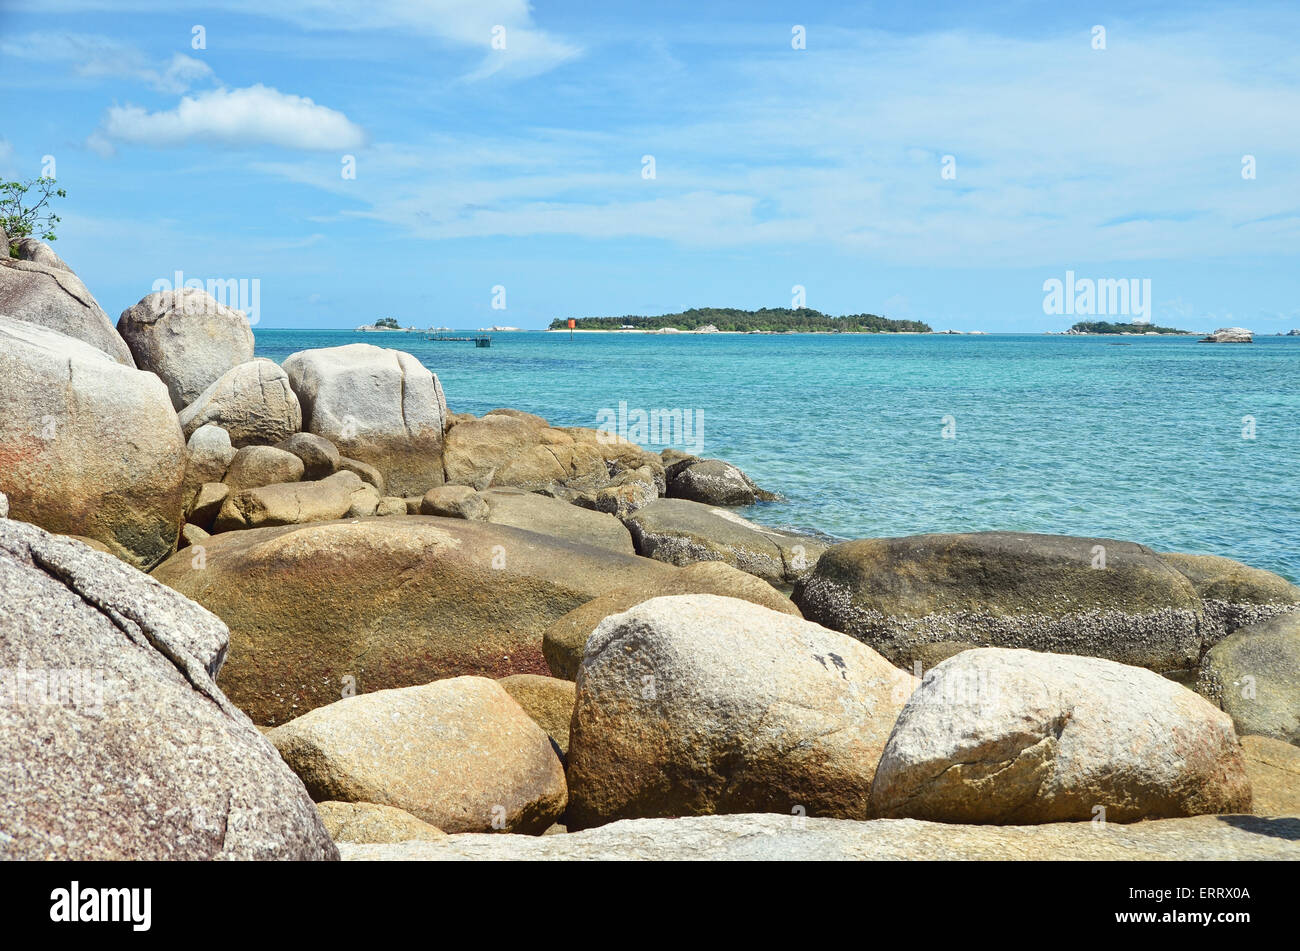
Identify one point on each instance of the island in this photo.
(1106, 327)
(735, 320)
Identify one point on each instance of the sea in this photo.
(1166, 441)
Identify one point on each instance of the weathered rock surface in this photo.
(501, 450)
(1254, 676)
(566, 639)
(1018, 737)
(556, 518)
(366, 472)
(458, 754)
(548, 700)
(715, 482)
(38, 252)
(252, 402)
(681, 532)
(454, 501)
(208, 455)
(255, 466)
(88, 446)
(1273, 768)
(320, 458)
(206, 504)
(1234, 594)
(388, 602)
(770, 838)
(371, 823)
(698, 704)
(188, 338)
(133, 752)
(51, 296)
(1008, 589)
(379, 406)
(291, 503)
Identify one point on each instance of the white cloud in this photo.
(101, 57)
(466, 24)
(235, 118)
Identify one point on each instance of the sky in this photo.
(429, 159)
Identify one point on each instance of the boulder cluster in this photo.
(299, 611)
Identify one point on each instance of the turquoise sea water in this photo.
(1135, 438)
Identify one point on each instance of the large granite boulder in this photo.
(501, 450)
(117, 743)
(188, 338)
(566, 639)
(320, 609)
(681, 532)
(252, 402)
(697, 704)
(38, 252)
(88, 446)
(557, 518)
(1018, 737)
(770, 838)
(1254, 676)
(1089, 596)
(715, 482)
(458, 754)
(1273, 768)
(382, 407)
(1234, 594)
(454, 501)
(51, 296)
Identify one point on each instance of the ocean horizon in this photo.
(1159, 440)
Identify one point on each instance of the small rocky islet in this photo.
(305, 611)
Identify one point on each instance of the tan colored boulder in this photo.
(382, 407)
(192, 535)
(501, 450)
(320, 458)
(1274, 771)
(207, 503)
(565, 640)
(714, 482)
(188, 338)
(366, 472)
(365, 605)
(1094, 597)
(1017, 737)
(88, 446)
(255, 466)
(391, 505)
(548, 700)
(370, 823)
(365, 501)
(454, 501)
(696, 705)
(458, 754)
(557, 518)
(292, 503)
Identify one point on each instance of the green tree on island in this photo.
(774, 319)
(389, 322)
(25, 210)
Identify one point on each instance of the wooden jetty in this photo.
(479, 340)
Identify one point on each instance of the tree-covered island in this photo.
(765, 320)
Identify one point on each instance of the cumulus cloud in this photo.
(233, 118)
(100, 57)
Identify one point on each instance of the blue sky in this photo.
(774, 167)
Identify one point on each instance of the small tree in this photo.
(25, 209)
